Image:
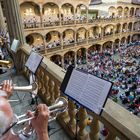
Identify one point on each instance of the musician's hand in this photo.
(40, 122)
(7, 87)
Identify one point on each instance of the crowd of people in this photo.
(123, 69)
(31, 21)
(4, 39)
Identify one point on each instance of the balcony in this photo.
(118, 120)
(42, 25)
(87, 42)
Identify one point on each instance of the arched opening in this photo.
(128, 40)
(124, 28)
(107, 46)
(67, 13)
(132, 12)
(35, 39)
(92, 51)
(137, 12)
(69, 59)
(30, 13)
(126, 12)
(81, 35)
(118, 28)
(116, 44)
(81, 56)
(112, 11)
(81, 13)
(108, 30)
(130, 26)
(136, 26)
(50, 14)
(57, 59)
(94, 32)
(123, 41)
(119, 12)
(135, 38)
(68, 37)
(53, 39)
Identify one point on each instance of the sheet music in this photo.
(33, 61)
(15, 45)
(88, 90)
(94, 93)
(74, 87)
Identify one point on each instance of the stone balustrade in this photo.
(30, 26)
(120, 122)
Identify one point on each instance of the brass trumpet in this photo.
(6, 64)
(29, 88)
(58, 107)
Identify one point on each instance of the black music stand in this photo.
(86, 90)
(32, 65)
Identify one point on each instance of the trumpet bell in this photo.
(60, 103)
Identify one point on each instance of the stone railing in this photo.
(118, 120)
(42, 25)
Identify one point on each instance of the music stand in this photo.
(86, 90)
(32, 65)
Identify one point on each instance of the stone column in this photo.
(87, 15)
(14, 23)
(41, 16)
(60, 19)
(2, 22)
(62, 61)
(61, 40)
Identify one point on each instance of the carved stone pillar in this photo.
(94, 129)
(71, 112)
(41, 15)
(56, 91)
(60, 18)
(2, 22)
(13, 18)
(82, 116)
(51, 92)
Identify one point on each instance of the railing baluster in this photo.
(56, 91)
(46, 82)
(82, 118)
(72, 112)
(51, 92)
(94, 129)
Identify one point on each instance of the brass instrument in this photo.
(29, 88)
(58, 107)
(6, 64)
